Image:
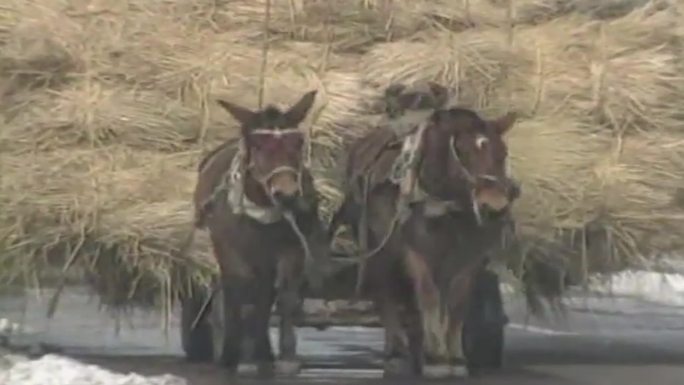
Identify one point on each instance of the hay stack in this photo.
(641, 182)
(112, 208)
(473, 63)
(624, 73)
(92, 113)
(555, 158)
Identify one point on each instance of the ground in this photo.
(622, 340)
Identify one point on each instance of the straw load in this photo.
(108, 106)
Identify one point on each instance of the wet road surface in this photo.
(601, 341)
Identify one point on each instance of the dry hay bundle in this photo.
(92, 113)
(641, 184)
(338, 23)
(539, 11)
(474, 63)
(349, 26)
(199, 71)
(118, 212)
(407, 17)
(624, 73)
(52, 41)
(555, 159)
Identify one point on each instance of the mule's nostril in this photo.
(284, 198)
(277, 195)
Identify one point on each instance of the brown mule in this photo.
(427, 257)
(258, 201)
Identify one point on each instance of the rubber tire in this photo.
(197, 343)
(483, 330)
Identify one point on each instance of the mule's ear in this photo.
(503, 124)
(440, 94)
(243, 115)
(299, 110)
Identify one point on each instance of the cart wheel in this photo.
(196, 342)
(483, 330)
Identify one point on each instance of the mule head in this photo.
(400, 98)
(274, 146)
(466, 156)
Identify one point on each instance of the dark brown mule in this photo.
(421, 277)
(245, 205)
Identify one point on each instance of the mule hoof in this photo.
(288, 367)
(396, 367)
(460, 371)
(261, 370)
(444, 371)
(247, 370)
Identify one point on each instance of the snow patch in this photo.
(540, 330)
(651, 286)
(8, 327)
(661, 288)
(57, 370)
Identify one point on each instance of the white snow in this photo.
(662, 288)
(8, 327)
(541, 330)
(57, 370)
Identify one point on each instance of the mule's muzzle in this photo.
(495, 195)
(284, 189)
(285, 199)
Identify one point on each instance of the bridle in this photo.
(470, 179)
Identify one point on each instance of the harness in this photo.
(404, 174)
(239, 203)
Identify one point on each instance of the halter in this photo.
(276, 133)
(470, 178)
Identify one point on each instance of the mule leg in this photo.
(229, 354)
(414, 331)
(288, 305)
(257, 352)
(396, 363)
(459, 292)
(235, 274)
(434, 320)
